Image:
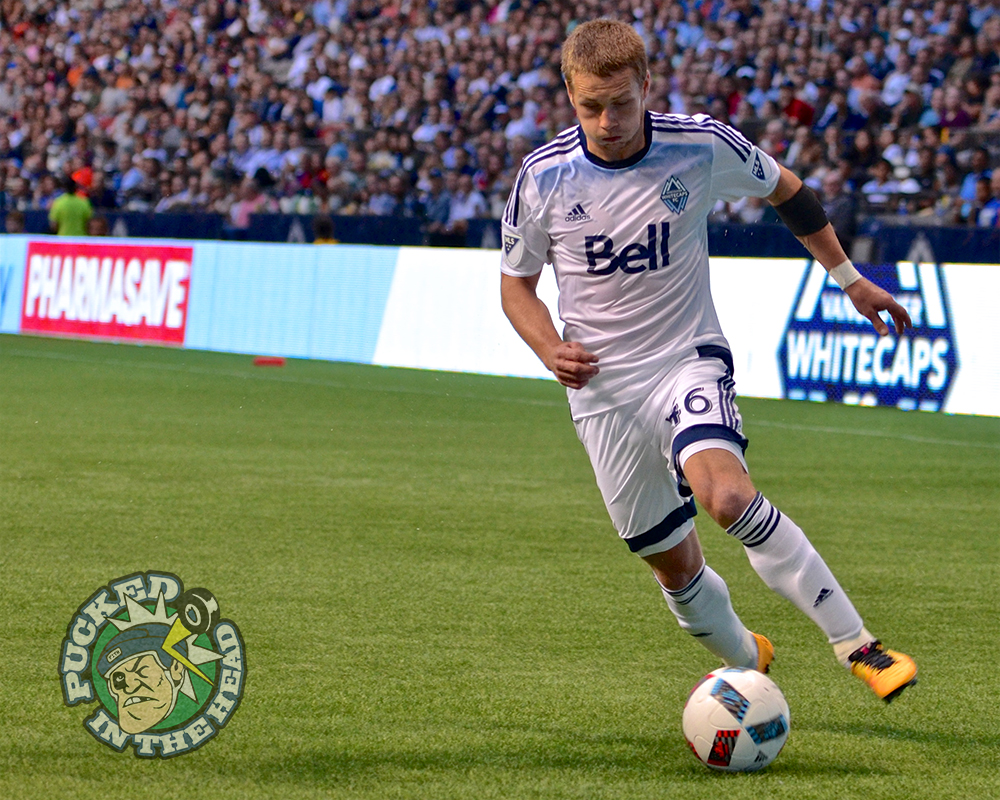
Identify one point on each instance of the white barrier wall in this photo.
(440, 309)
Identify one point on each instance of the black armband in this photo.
(803, 213)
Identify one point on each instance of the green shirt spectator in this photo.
(70, 212)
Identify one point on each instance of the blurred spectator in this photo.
(862, 154)
(97, 225)
(392, 196)
(989, 216)
(924, 171)
(907, 112)
(947, 187)
(880, 190)
(406, 202)
(748, 210)
(71, 211)
(101, 195)
(437, 210)
(467, 202)
(954, 113)
(14, 221)
(841, 208)
(520, 124)
(176, 199)
(323, 230)
(979, 169)
(970, 210)
(143, 93)
(798, 111)
(251, 200)
(47, 190)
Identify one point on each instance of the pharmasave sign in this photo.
(107, 291)
(165, 669)
(830, 352)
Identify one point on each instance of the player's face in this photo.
(611, 112)
(144, 692)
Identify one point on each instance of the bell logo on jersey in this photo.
(674, 194)
(632, 258)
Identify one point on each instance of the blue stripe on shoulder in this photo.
(556, 147)
(732, 137)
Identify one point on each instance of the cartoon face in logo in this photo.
(145, 690)
(167, 676)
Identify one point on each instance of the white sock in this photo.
(703, 609)
(786, 561)
(842, 650)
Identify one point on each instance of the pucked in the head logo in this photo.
(166, 671)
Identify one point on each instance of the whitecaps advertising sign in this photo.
(830, 352)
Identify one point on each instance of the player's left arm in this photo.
(800, 209)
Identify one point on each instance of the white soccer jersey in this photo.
(629, 243)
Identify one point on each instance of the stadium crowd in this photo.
(425, 109)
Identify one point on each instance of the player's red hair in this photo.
(602, 47)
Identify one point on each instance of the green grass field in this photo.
(434, 603)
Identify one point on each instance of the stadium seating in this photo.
(348, 108)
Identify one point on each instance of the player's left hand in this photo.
(870, 299)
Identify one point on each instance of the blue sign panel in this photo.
(830, 352)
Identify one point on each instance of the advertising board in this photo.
(793, 334)
(106, 290)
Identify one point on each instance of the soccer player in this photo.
(618, 206)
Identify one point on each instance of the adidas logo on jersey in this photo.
(577, 214)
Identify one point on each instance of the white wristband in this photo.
(845, 274)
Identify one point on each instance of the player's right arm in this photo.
(571, 364)
(526, 246)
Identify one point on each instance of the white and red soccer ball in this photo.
(736, 720)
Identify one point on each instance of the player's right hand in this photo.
(572, 365)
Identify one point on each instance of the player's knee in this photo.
(725, 501)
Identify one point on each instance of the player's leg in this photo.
(788, 563)
(777, 548)
(706, 450)
(655, 522)
(699, 599)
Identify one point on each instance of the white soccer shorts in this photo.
(638, 451)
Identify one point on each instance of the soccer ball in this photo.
(736, 720)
